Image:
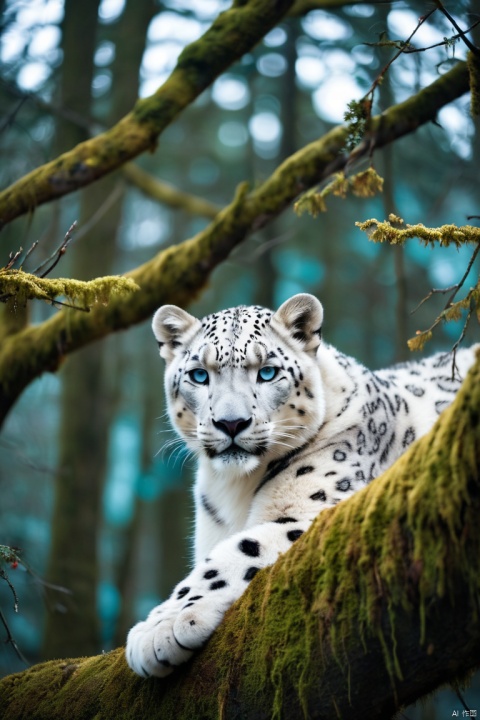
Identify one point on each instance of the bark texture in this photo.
(179, 273)
(375, 606)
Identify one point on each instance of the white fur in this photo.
(316, 433)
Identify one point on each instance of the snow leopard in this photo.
(283, 425)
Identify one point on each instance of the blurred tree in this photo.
(86, 411)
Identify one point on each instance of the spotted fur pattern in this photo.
(283, 426)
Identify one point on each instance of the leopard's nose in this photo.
(232, 427)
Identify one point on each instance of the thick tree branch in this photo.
(177, 274)
(375, 606)
(233, 33)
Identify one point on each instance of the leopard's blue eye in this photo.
(199, 376)
(267, 373)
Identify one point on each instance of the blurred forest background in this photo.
(88, 442)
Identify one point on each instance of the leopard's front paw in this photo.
(152, 648)
(172, 632)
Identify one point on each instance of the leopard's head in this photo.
(243, 385)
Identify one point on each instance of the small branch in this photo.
(4, 576)
(460, 339)
(11, 640)
(454, 288)
(57, 254)
(473, 48)
(359, 113)
(409, 51)
(13, 258)
(401, 50)
(11, 117)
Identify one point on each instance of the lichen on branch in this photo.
(22, 286)
(364, 184)
(393, 232)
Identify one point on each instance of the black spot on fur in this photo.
(188, 605)
(277, 466)
(293, 535)
(210, 574)
(409, 437)
(197, 597)
(209, 508)
(417, 391)
(249, 547)
(218, 584)
(250, 574)
(319, 495)
(182, 592)
(344, 484)
(339, 455)
(305, 469)
(283, 520)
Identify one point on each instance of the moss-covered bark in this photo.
(177, 274)
(375, 606)
(234, 32)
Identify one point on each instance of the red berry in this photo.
(14, 565)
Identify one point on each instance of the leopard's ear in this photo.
(172, 328)
(302, 318)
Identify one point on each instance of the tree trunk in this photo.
(69, 564)
(87, 410)
(372, 608)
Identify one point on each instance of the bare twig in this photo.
(11, 640)
(409, 50)
(454, 288)
(11, 117)
(5, 577)
(425, 335)
(460, 338)
(57, 254)
(34, 245)
(473, 48)
(401, 50)
(13, 257)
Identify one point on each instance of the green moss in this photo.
(393, 232)
(364, 184)
(24, 286)
(400, 543)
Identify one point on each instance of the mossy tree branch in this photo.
(375, 606)
(233, 33)
(177, 274)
